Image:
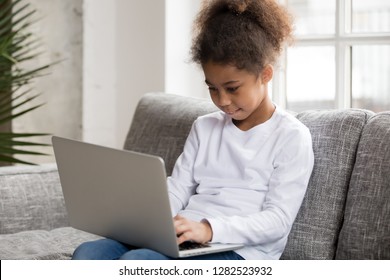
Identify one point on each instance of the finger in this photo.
(181, 227)
(184, 237)
(177, 221)
(178, 218)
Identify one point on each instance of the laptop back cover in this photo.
(117, 194)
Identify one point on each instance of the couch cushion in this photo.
(335, 135)
(161, 124)
(57, 244)
(366, 230)
(31, 198)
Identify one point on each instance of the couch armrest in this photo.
(31, 198)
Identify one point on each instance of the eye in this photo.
(232, 89)
(212, 89)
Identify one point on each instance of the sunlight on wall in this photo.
(181, 75)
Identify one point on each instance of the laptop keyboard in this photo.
(191, 245)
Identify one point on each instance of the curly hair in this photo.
(248, 34)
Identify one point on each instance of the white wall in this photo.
(115, 52)
(58, 26)
(181, 75)
(124, 48)
(130, 48)
(99, 72)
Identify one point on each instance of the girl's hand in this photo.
(187, 230)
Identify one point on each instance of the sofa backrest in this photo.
(161, 124)
(335, 135)
(366, 230)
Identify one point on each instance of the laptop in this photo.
(121, 195)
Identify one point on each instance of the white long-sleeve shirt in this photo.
(248, 185)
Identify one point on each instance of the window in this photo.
(340, 59)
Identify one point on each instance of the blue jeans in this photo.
(108, 249)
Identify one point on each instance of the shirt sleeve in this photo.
(287, 186)
(181, 184)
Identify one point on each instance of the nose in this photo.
(223, 99)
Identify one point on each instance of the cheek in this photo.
(249, 101)
(214, 99)
(245, 98)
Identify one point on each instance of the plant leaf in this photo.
(10, 143)
(10, 159)
(5, 109)
(13, 116)
(9, 135)
(6, 150)
(17, 44)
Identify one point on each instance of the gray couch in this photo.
(345, 213)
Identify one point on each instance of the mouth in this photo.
(231, 112)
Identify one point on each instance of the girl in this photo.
(244, 170)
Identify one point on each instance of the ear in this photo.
(267, 73)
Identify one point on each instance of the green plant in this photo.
(17, 45)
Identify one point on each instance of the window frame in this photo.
(343, 40)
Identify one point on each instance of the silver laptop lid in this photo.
(113, 193)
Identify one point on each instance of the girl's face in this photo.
(239, 93)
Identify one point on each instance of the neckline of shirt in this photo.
(265, 126)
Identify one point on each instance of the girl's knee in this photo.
(103, 249)
(84, 251)
(143, 254)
